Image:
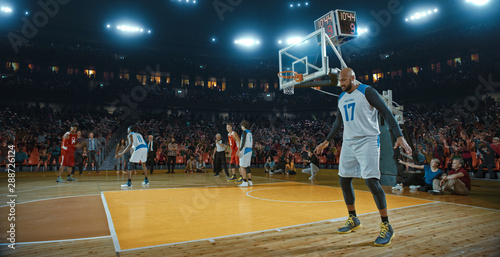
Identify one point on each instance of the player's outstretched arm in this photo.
(375, 100)
(412, 165)
(333, 132)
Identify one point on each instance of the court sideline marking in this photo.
(59, 241)
(110, 224)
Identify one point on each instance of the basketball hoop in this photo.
(287, 78)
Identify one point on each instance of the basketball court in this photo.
(186, 214)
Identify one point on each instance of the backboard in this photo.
(307, 57)
(302, 64)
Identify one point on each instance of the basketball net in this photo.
(287, 77)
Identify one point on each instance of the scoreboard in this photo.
(341, 26)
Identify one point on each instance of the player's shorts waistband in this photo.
(141, 146)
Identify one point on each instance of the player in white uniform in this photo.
(140, 154)
(245, 154)
(358, 109)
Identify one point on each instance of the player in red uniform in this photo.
(68, 153)
(234, 141)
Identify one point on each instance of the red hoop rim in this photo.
(295, 74)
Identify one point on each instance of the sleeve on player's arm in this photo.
(336, 127)
(376, 101)
(243, 138)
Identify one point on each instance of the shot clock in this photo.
(340, 25)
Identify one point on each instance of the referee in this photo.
(219, 156)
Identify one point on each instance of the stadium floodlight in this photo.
(108, 26)
(279, 42)
(298, 5)
(6, 9)
(478, 2)
(248, 42)
(129, 29)
(307, 3)
(362, 31)
(213, 39)
(421, 15)
(27, 13)
(291, 5)
(293, 40)
(149, 31)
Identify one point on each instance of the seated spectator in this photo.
(44, 159)
(290, 167)
(4, 152)
(313, 163)
(488, 160)
(190, 165)
(424, 183)
(21, 157)
(270, 165)
(496, 146)
(161, 158)
(200, 166)
(456, 182)
(55, 151)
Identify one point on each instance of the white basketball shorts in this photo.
(246, 159)
(139, 155)
(360, 158)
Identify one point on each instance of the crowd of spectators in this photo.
(434, 131)
(36, 131)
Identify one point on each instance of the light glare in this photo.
(293, 40)
(6, 9)
(478, 2)
(247, 42)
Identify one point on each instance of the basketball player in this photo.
(234, 141)
(140, 154)
(358, 109)
(245, 154)
(68, 153)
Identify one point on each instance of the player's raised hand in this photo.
(321, 146)
(401, 142)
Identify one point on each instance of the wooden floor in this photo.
(51, 216)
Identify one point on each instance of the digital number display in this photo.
(347, 23)
(327, 22)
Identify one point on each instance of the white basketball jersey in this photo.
(359, 117)
(248, 140)
(138, 140)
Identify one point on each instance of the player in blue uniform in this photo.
(358, 109)
(140, 154)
